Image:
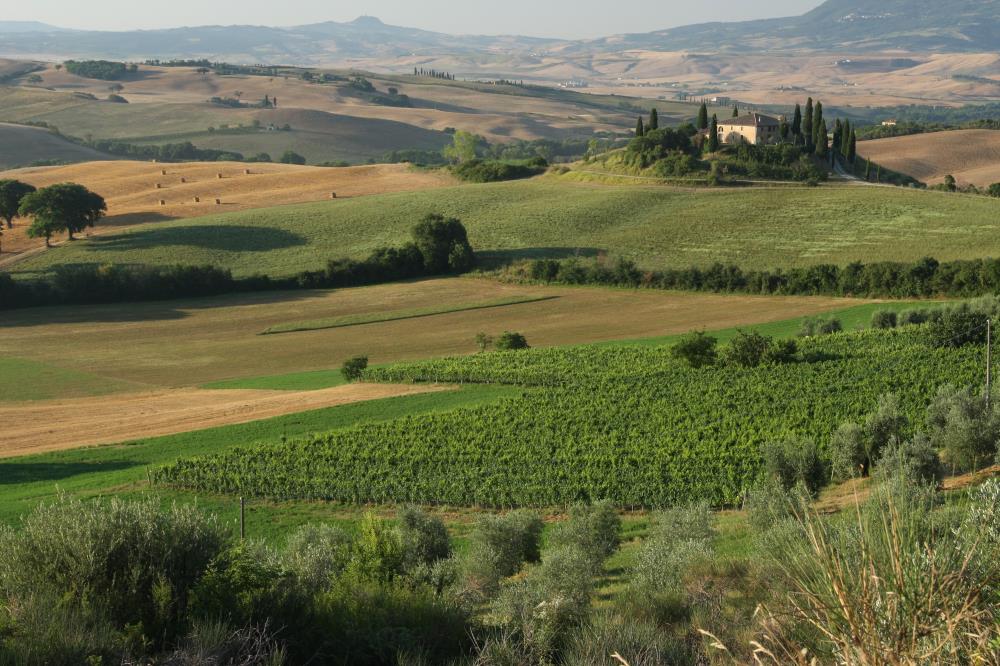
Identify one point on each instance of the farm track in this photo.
(32, 427)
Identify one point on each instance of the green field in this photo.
(122, 469)
(25, 379)
(552, 217)
(629, 424)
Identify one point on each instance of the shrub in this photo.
(491, 171)
(639, 642)
(679, 537)
(317, 554)
(957, 328)
(130, 561)
(291, 157)
(593, 528)
(848, 452)
(916, 460)
(424, 538)
(884, 319)
(748, 349)
(378, 553)
(965, 425)
(508, 341)
(443, 244)
(814, 326)
(499, 546)
(697, 349)
(353, 368)
(793, 461)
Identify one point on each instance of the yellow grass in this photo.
(133, 198)
(971, 156)
(189, 343)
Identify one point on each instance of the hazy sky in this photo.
(551, 18)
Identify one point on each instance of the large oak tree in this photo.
(62, 207)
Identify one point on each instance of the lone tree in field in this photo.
(63, 207)
(509, 341)
(640, 130)
(736, 111)
(292, 157)
(11, 194)
(703, 116)
(654, 120)
(444, 245)
(354, 368)
(462, 148)
(483, 341)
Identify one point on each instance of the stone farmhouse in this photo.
(754, 128)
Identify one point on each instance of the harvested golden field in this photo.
(971, 156)
(190, 343)
(130, 188)
(61, 424)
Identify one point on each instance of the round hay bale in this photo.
(218, 202)
(163, 172)
(219, 176)
(159, 186)
(197, 200)
(183, 179)
(162, 202)
(333, 195)
(246, 172)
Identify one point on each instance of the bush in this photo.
(499, 546)
(593, 528)
(965, 425)
(509, 341)
(291, 157)
(916, 460)
(444, 245)
(317, 554)
(793, 461)
(848, 452)
(679, 537)
(489, 171)
(814, 326)
(354, 368)
(884, 319)
(378, 555)
(132, 562)
(697, 349)
(957, 328)
(751, 349)
(639, 642)
(424, 537)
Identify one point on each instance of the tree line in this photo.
(924, 278)
(440, 246)
(106, 70)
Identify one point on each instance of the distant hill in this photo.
(23, 146)
(856, 25)
(971, 156)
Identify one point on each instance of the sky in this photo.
(570, 19)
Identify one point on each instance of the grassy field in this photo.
(122, 469)
(552, 217)
(134, 190)
(25, 145)
(971, 156)
(189, 343)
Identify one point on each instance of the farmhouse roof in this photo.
(751, 120)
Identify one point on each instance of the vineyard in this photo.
(628, 424)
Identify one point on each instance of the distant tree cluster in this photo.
(433, 73)
(106, 70)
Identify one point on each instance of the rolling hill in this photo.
(132, 195)
(971, 156)
(24, 145)
(556, 217)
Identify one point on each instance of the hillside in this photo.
(556, 217)
(24, 145)
(971, 156)
(133, 198)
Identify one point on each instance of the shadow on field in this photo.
(147, 310)
(12, 473)
(498, 258)
(129, 219)
(233, 238)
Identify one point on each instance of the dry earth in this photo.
(971, 156)
(61, 424)
(130, 189)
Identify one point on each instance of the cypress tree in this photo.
(736, 111)
(845, 139)
(852, 149)
(703, 117)
(654, 120)
(639, 129)
(807, 124)
(713, 134)
(878, 173)
(797, 121)
(819, 131)
(868, 170)
(838, 139)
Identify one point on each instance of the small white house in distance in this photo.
(754, 128)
